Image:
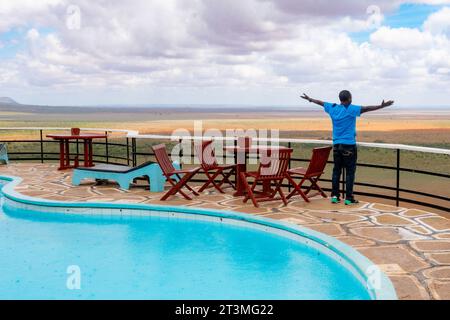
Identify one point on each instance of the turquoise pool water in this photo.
(160, 258)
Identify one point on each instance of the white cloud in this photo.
(210, 44)
(326, 8)
(18, 13)
(401, 39)
(439, 22)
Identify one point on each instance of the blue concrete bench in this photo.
(3, 153)
(123, 175)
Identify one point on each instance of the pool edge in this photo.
(366, 269)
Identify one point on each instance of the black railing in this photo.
(125, 151)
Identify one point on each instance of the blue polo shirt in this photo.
(344, 122)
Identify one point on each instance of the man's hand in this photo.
(306, 97)
(386, 104)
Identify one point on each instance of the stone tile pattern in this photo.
(411, 246)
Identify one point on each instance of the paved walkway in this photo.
(411, 246)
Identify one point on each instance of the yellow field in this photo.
(292, 124)
(283, 124)
(421, 128)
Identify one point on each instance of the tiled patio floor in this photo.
(411, 246)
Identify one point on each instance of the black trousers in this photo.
(345, 156)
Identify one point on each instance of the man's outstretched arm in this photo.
(320, 103)
(383, 105)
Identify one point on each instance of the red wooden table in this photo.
(242, 155)
(64, 151)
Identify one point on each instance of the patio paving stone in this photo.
(439, 258)
(436, 223)
(432, 245)
(386, 234)
(356, 242)
(440, 289)
(409, 288)
(335, 216)
(330, 229)
(397, 254)
(412, 213)
(392, 220)
(384, 208)
(442, 236)
(438, 273)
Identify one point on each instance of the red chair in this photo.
(177, 178)
(313, 173)
(273, 168)
(206, 155)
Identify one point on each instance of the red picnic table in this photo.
(242, 155)
(64, 151)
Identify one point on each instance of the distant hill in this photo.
(8, 101)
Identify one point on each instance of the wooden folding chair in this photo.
(206, 155)
(177, 178)
(273, 168)
(312, 174)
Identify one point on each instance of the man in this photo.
(344, 116)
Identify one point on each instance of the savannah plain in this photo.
(428, 127)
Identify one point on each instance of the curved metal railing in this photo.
(128, 147)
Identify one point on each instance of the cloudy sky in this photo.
(88, 52)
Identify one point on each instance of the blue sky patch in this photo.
(13, 41)
(408, 15)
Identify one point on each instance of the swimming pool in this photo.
(163, 256)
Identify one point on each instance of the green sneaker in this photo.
(349, 202)
(335, 200)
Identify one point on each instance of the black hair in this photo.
(345, 96)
